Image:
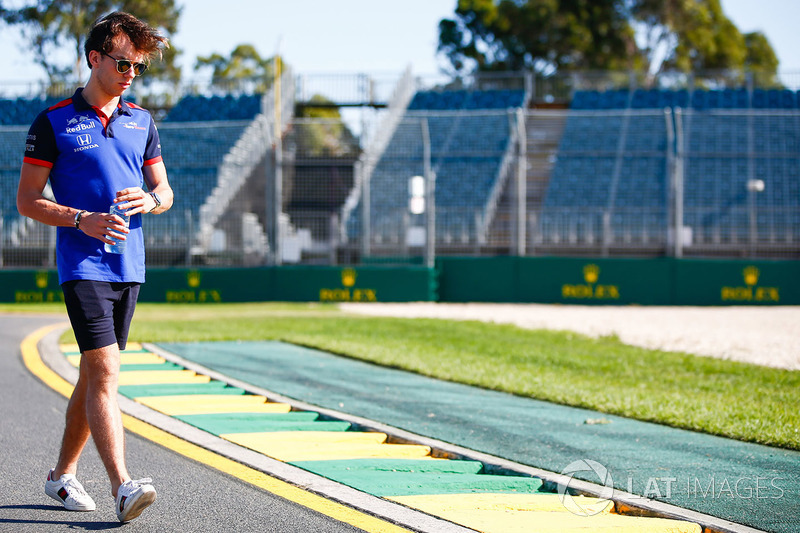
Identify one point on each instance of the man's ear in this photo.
(94, 58)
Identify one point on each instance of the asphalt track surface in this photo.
(191, 496)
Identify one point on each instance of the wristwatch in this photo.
(78, 217)
(157, 200)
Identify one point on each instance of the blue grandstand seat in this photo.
(774, 99)
(196, 108)
(22, 111)
(192, 154)
(725, 151)
(722, 151)
(645, 99)
(467, 147)
(454, 100)
(585, 100)
(12, 150)
(589, 157)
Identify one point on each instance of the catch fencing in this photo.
(610, 183)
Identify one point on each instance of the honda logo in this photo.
(85, 140)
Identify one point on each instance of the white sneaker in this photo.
(133, 497)
(68, 491)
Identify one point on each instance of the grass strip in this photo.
(732, 399)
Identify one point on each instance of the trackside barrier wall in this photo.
(585, 281)
(287, 283)
(588, 281)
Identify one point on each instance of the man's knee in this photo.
(101, 368)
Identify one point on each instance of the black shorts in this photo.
(100, 311)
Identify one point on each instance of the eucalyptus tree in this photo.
(54, 33)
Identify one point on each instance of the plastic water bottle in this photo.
(119, 246)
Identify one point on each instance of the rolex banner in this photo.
(582, 281)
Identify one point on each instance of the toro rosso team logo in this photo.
(132, 125)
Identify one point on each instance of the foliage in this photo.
(325, 134)
(51, 26)
(553, 35)
(243, 68)
(543, 35)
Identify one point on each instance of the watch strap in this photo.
(78, 217)
(156, 199)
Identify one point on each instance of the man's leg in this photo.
(103, 415)
(76, 429)
(101, 314)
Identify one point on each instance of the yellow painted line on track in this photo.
(34, 363)
(66, 348)
(127, 359)
(318, 451)
(324, 438)
(32, 360)
(559, 522)
(160, 377)
(212, 404)
(439, 503)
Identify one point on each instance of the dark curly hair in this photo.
(144, 38)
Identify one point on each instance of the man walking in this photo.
(97, 150)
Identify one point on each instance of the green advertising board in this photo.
(30, 286)
(554, 280)
(585, 281)
(720, 282)
(606, 281)
(291, 284)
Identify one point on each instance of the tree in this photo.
(550, 35)
(244, 68)
(688, 35)
(761, 60)
(51, 26)
(544, 35)
(323, 133)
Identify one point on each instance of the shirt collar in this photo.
(80, 103)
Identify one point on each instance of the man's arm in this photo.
(138, 201)
(31, 203)
(156, 177)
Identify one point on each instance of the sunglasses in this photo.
(124, 65)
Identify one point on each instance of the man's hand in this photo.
(103, 225)
(135, 200)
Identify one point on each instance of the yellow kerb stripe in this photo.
(33, 361)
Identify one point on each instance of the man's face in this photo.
(106, 68)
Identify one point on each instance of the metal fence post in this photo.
(278, 185)
(190, 238)
(522, 182)
(430, 197)
(366, 222)
(678, 185)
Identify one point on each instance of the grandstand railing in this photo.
(508, 166)
(376, 145)
(251, 148)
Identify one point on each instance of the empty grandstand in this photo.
(629, 171)
(458, 138)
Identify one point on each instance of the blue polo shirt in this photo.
(91, 157)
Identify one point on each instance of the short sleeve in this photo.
(40, 146)
(152, 151)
